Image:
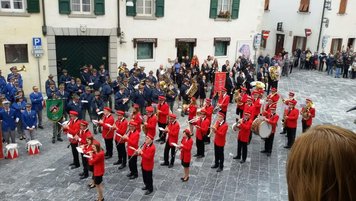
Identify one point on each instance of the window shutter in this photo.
(304, 5)
(235, 9)
(99, 7)
(64, 6)
(213, 9)
(266, 4)
(33, 6)
(159, 8)
(342, 9)
(131, 11)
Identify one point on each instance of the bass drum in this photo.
(261, 128)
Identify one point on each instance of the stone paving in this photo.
(48, 177)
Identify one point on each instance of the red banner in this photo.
(219, 82)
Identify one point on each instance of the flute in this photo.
(136, 150)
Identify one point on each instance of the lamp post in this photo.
(326, 5)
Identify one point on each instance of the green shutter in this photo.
(99, 7)
(159, 8)
(213, 9)
(235, 9)
(33, 6)
(64, 6)
(131, 10)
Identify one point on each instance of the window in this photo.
(221, 48)
(224, 9)
(16, 53)
(12, 5)
(144, 50)
(304, 6)
(342, 8)
(81, 6)
(144, 7)
(266, 4)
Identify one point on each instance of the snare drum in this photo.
(33, 147)
(261, 128)
(11, 151)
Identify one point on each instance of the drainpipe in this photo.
(44, 27)
(118, 19)
(321, 26)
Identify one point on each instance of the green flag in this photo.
(54, 109)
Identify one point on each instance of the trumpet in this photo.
(238, 122)
(23, 68)
(195, 119)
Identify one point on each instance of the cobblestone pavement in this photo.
(48, 177)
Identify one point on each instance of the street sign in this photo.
(265, 34)
(37, 43)
(257, 40)
(324, 41)
(280, 26)
(308, 32)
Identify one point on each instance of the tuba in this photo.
(273, 73)
(192, 89)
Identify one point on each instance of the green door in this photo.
(185, 49)
(76, 51)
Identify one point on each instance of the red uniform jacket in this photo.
(132, 141)
(83, 136)
(224, 101)
(173, 132)
(311, 116)
(98, 161)
(245, 131)
(148, 157)
(138, 119)
(209, 112)
(249, 108)
(192, 111)
(202, 127)
(274, 97)
(266, 110)
(121, 126)
(88, 148)
(73, 129)
(291, 121)
(220, 134)
(186, 151)
(163, 114)
(108, 133)
(257, 105)
(151, 125)
(242, 102)
(273, 120)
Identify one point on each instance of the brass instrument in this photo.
(305, 112)
(192, 89)
(273, 73)
(238, 96)
(236, 124)
(121, 69)
(195, 119)
(144, 129)
(185, 107)
(258, 84)
(23, 68)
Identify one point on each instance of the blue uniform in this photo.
(36, 100)
(119, 101)
(106, 91)
(29, 119)
(63, 79)
(10, 92)
(50, 92)
(17, 107)
(139, 99)
(8, 120)
(2, 83)
(75, 107)
(96, 81)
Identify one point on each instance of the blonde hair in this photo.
(322, 165)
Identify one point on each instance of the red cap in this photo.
(72, 112)
(273, 89)
(84, 123)
(171, 115)
(308, 99)
(107, 109)
(203, 111)
(247, 113)
(149, 109)
(161, 98)
(261, 91)
(222, 114)
(136, 105)
(223, 89)
(187, 131)
(133, 123)
(249, 98)
(255, 92)
(120, 112)
(208, 100)
(193, 99)
(151, 136)
(273, 106)
(243, 89)
(293, 102)
(291, 93)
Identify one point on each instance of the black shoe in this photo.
(117, 163)
(158, 140)
(286, 147)
(185, 179)
(81, 174)
(236, 158)
(170, 165)
(195, 155)
(21, 138)
(74, 167)
(201, 156)
(107, 157)
(92, 186)
(148, 192)
(164, 164)
(122, 166)
(144, 188)
(53, 141)
(162, 142)
(84, 176)
(283, 133)
(214, 166)
(182, 178)
(219, 169)
(133, 177)
(242, 161)
(263, 151)
(60, 139)
(40, 127)
(206, 143)
(268, 154)
(72, 164)
(129, 175)
(95, 131)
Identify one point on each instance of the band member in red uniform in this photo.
(286, 102)
(162, 114)
(98, 162)
(150, 122)
(172, 130)
(209, 113)
(186, 153)
(271, 118)
(223, 101)
(192, 111)
(266, 110)
(147, 154)
(132, 139)
(87, 149)
(121, 127)
(243, 136)
(219, 130)
(308, 113)
(256, 103)
(107, 123)
(241, 101)
(72, 128)
(84, 133)
(274, 96)
(202, 127)
(290, 120)
(136, 116)
(249, 107)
